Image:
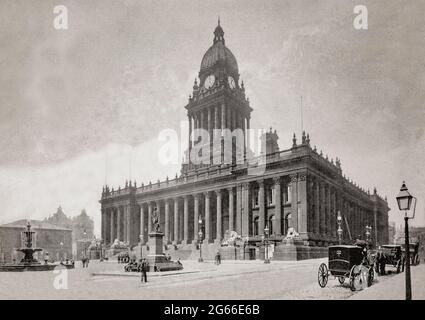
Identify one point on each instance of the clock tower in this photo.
(218, 102)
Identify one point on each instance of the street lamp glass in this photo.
(404, 198)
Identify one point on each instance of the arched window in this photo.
(255, 226)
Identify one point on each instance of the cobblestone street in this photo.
(230, 280)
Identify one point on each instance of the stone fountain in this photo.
(28, 262)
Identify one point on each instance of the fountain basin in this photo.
(17, 267)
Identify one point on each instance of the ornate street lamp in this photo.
(200, 237)
(339, 231)
(404, 201)
(266, 243)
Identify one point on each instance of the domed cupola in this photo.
(218, 53)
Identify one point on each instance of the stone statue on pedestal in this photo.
(155, 221)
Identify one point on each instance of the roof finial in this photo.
(218, 33)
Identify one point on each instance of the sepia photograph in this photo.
(212, 151)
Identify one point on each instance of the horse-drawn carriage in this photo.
(389, 254)
(347, 261)
(414, 253)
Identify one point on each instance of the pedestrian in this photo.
(144, 271)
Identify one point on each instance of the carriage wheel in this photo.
(356, 278)
(322, 275)
(371, 277)
(341, 280)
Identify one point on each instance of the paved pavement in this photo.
(230, 280)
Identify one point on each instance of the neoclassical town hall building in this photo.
(298, 187)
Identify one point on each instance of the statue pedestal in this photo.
(156, 243)
(156, 258)
(291, 249)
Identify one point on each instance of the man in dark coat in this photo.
(144, 271)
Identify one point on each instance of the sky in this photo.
(84, 106)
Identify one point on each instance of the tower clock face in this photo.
(231, 82)
(209, 81)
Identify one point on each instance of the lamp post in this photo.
(266, 243)
(200, 237)
(368, 233)
(339, 231)
(404, 201)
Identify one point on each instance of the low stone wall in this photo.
(298, 251)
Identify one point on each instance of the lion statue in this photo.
(231, 238)
(292, 234)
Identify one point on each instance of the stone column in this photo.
(112, 214)
(302, 203)
(261, 207)
(207, 217)
(120, 236)
(176, 221)
(239, 209)
(142, 223)
(329, 213)
(195, 217)
(129, 224)
(186, 220)
(167, 221)
(246, 208)
(317, 207)
(323, 209)
(231, 209)
(150, 210)
(294, 202)
(219, 216)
